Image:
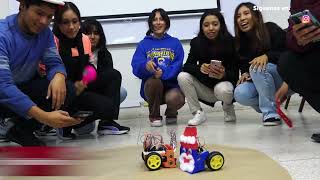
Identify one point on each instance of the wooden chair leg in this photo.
(287, 102)
(301, 104)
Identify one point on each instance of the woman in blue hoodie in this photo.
(157, 61)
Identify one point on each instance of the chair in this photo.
(300, 106)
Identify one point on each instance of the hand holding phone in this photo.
(216, 68)
(305, 17)
(309, 24)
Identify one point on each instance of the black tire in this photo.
(142, 155)
(215, 161)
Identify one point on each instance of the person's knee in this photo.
(241, 95)
(154, 83)
(223, 88)
(184, 78)
(175, 99)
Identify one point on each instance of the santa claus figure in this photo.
(192, 159)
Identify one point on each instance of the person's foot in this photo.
(316, 137)
(86, 129)
(272, 122)
(3, 139)
(65, 134)
(155, 121)
(198, 118)
(23, 136)
(171, 120)
(46, 130)
(229, 114)
(112, 128)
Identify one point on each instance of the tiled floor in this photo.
(292, 148)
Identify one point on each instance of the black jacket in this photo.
(278, 45)
(203, 51)
(105, 61)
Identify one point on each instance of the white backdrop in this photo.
(115, 7)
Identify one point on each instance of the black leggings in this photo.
(301, 71)
(102, 97)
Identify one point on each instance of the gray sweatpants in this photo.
(194, 90)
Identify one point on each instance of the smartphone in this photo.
(82, 114)
(304, 17)
(214, 64)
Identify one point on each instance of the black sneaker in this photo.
(316, 137)
(46, 130)
(111, 127)
(272, 122)
(65, 134)
(3, 139)
(23, 136)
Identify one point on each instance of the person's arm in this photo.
(172, 71)
(232, 68)
(277, 40)
(10, 95)
(105, 61)
(191, 66)
(56, 74)
(138, 63)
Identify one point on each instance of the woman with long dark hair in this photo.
(157, 61)
(205, 82)
(75, 51)
(259, 45)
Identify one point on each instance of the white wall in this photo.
(279, 16)
(4, 8)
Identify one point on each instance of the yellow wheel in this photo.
(153, 161)
(215, 161)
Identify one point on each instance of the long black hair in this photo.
(65, 43)
(89, 25)
(261, 41)
(164, 16)
(223, 43)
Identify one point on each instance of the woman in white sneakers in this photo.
(201, 81)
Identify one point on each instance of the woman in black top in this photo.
(205, 82)
(259, 46)
(75, 51)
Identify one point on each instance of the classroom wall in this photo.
(4, 8)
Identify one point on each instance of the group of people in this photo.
(41, 70)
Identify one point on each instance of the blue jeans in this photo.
(259, 94)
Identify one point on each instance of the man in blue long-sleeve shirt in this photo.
(25, 39)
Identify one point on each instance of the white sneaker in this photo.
(198, 118)
(229, 114)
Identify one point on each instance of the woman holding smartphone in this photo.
(157, 61)
(210, 71)
(259, 45)
(299, 67)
